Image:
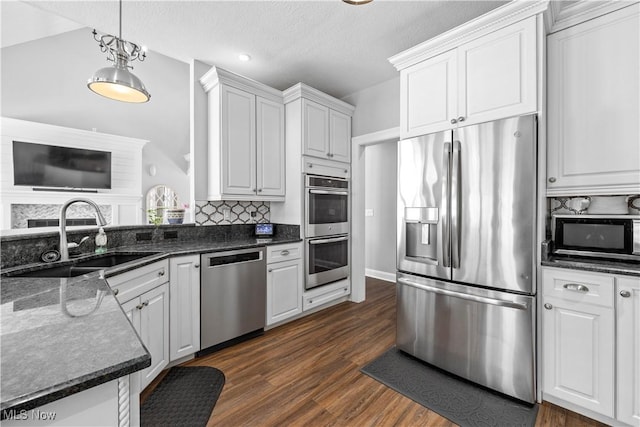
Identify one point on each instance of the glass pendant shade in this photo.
(118, 83)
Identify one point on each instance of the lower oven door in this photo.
(484, 336)
(327, 260)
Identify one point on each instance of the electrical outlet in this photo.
(226, 214)
(368, 212)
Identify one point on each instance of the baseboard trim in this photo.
(382, 275)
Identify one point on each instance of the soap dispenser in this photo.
(101, 241)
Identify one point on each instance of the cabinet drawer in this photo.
(325, 294)
(578, 286)
(314, 166)
(135, 282)
(286, 252)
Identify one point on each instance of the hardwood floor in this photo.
(307, 372)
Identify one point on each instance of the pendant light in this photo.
(117, 82)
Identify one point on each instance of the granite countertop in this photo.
(62, 336)
(596, 265)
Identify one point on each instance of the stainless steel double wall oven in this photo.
(326, 229)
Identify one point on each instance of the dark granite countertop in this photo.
(596, 265)
(49, 352)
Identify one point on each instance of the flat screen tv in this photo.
(40, 165)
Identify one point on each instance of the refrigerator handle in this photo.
(445, 253)
(455, 205)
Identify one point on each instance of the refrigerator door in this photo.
(484, 336)
(423, 226)
(493, 204)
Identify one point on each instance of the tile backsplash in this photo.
(579, 205)
(21, 213)
(213, 213)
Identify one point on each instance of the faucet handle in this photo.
(73, 245)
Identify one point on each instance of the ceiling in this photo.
(333, 46)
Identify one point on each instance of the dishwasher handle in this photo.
(241, 256)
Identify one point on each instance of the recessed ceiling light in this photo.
(244, 57)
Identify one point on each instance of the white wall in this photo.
(45, 81)
(377, 107)
(380, 196)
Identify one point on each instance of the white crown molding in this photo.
(376, 137)
(576, 13)
(498, 18)
(216, 76)
(301, 90)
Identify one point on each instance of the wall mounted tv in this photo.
(40, 165)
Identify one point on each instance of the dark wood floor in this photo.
(307, 372)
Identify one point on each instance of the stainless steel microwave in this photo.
(599, 236)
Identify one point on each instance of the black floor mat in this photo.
(185, 397)
(462, 402)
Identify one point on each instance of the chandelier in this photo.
(117, 82)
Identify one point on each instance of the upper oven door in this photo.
(327, 209)
(608, 236)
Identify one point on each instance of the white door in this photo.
(238, 139)
(628, 360)
(428, 100)
(184, 306)
(284, 290)
(154, 330)
(315, 129)
(497, 74)
(339, 136)
(594, 105)
(270, 148)
(578, 354)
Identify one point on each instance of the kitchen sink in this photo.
(82, 266)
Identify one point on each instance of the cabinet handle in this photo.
(197, 265)
(161, 273)
(575, 287)
(310, 165)
(139, 306)
(270, 270)
(625, 294)
(259, 190)
(552, 179)
(346, 171)
(548, 306)
(454, 121)
(310, 301)
(146, 303)
(116, 291)
(461, 119)
(284, 253)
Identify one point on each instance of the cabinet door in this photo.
(628, 359)
(238, 141)
(270, 148)
(284, 290)
(593, 106)
(428, 95)
(315, 129)
(497, 74)
(184, 306)
(339, 136)
(578, 354)
(154, 331)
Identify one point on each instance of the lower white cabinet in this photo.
(184, 306)
(591, 343)
(285, 275)
(325, 294)
(628, 358)
(149, 314)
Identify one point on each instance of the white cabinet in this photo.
(184, 306)
(326, 132)
(144, 296)
(285, 280)
(491, 77)
(246, 147)
(578, 339)
(593, 106)
(628, 357)
(325, 294)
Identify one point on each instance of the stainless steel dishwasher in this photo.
(233, 293)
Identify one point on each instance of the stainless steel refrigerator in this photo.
(466, 233)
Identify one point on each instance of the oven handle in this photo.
(321, 241)
(484, 300)
(339, 193)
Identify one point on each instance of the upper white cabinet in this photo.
(246, 138)
(593, 106)
(325, 123)
(487, 78)
(184, 306)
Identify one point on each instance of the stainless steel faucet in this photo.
(64, 246)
